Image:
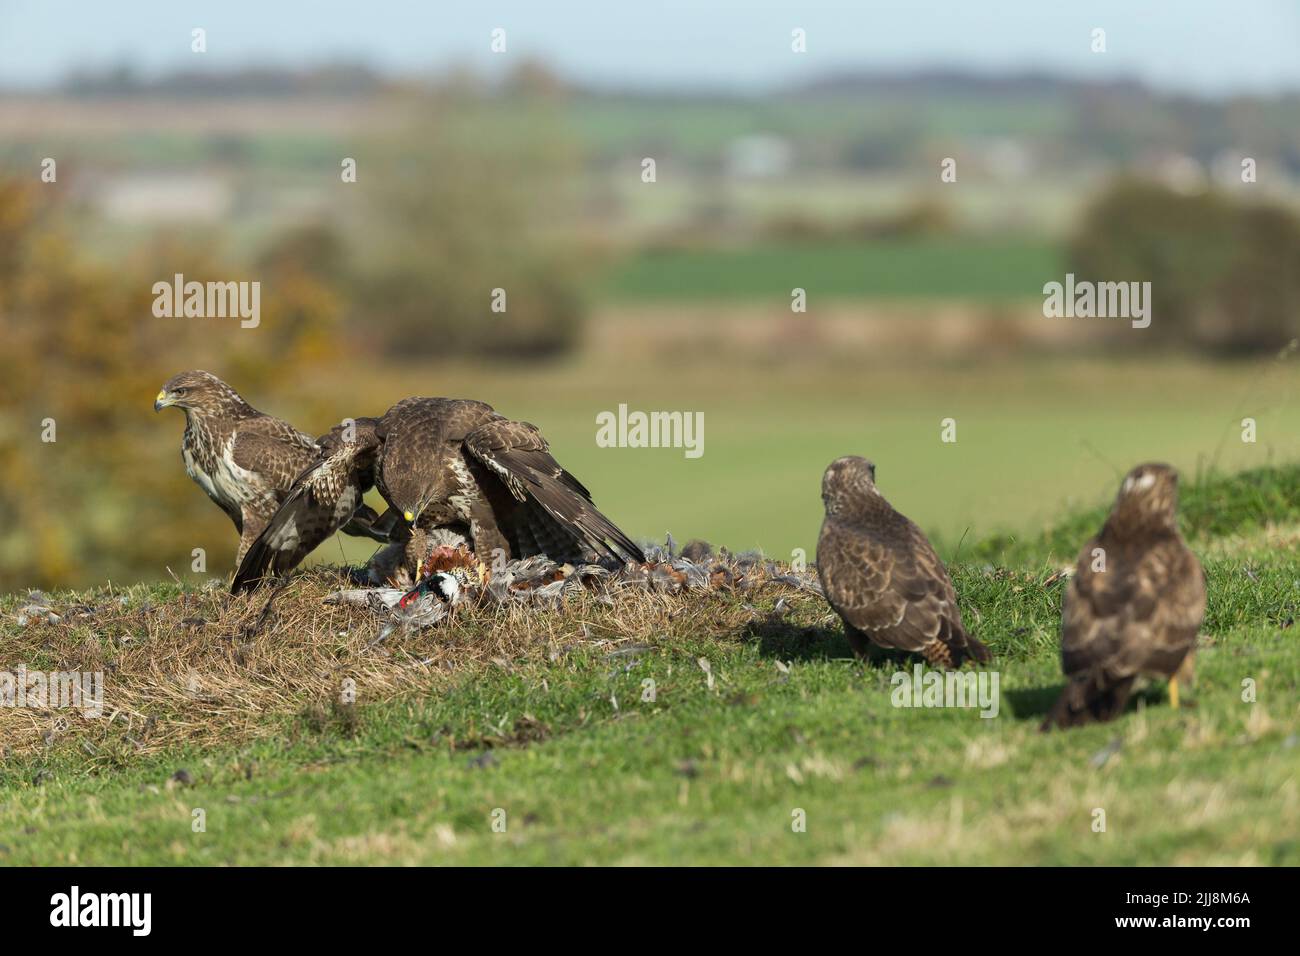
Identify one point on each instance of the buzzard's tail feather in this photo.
(528, 534)
(954, 645)
(544, 535)
(253, 568)
(1087, 700)
(260, 558)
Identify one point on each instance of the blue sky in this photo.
(1198, 46)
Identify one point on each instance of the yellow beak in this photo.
(409, 516)
(158, 402)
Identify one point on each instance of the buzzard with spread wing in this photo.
(440, 463)
(1134, 605)
(882, 576)
(246, 461)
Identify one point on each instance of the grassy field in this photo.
(959, 268)
(539, 719)
(1034, 440)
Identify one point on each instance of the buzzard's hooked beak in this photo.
(161, 401)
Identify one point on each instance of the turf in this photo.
(542, 721)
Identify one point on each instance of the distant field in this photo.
(701, 128)
(930, 268)
(695, 128)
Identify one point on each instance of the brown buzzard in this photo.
(441, 463)
(881, 575)
(244, 460)
(1134, 604)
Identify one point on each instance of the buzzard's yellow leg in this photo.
(1186, 672)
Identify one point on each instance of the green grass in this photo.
(1216, 507)
(587, 772)
(981, 270)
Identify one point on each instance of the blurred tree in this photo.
(109, 496)
(301, 272)
(472, 196)
(1225, 277)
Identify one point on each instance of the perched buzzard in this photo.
(244, 460)
(1134, 604)
(441, 464)
(881, 575)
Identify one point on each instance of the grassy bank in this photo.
(542, 720)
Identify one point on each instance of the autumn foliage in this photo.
(91, 485)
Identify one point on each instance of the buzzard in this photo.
(881, 575)
(1134, 605)
(246, 461)
(443, 465)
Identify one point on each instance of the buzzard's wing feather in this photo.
(933, 613)
(321, 501)
(1101, 615)
(277, 455)
(268, 463)
(857, 577)
(890, 584)
(517, 454)
(276, 430)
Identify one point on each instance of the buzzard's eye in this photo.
(180, 391)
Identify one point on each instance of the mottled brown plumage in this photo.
(882, 576)
(244, 460)
(442, 463)
(1134, 605)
